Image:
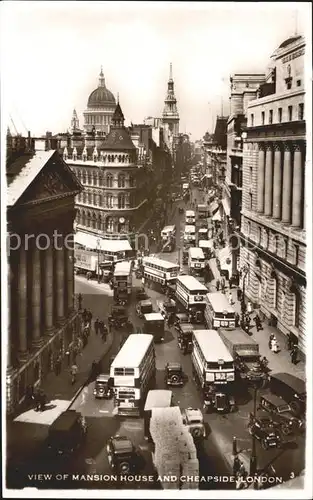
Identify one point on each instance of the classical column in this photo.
(36, 297)
(70, 277)
(48, 269)
(297, 188)
(60, 277)
(9, 353)
(277, 182)
(22, 303)
(261, 168)
(268, 202)
(287, 182)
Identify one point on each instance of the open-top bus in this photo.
(133, 373)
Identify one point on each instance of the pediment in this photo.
(55, 180)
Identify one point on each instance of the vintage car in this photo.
(193, 419)
(292, 389)
(282, 414)
(141, 294)
(123, 457)
(263, 428)
(181, 318)
(103, 387)
(185, 256)
(144, 307)
(184, 337)
(167, 307)
(118, 316)
(66, 434)
(174, 375)
(215, 399)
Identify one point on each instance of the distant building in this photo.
(273, 227)
(100, 108)
(170, 116)
(244, 87)
(42, 322)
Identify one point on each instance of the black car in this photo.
(263, 428)
(292, 389)
(122, 455)
(174, 375)
(281, 413)
(67, 433)
(141, 294)
(103, 387)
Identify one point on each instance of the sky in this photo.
(52, 53)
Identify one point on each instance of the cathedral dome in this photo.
(101, 96)
(289, 41)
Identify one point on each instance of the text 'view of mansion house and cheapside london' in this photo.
(157, 292)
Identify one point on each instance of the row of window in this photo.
(279, 243)
(279, 118)
(107, 180)
(109, 225)
(122, 200)
(273, 301)
(100, 119)
(95, 157)
(152, 265)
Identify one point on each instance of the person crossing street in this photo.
(74, 371)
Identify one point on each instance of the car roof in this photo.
(65, 421)
(182, 315)
(103, 377)
(186, 327)
(272, 398)
(122, 443)
(193, 413)
(264, 415)
(295, 383)
(174, 366)
(146, 302)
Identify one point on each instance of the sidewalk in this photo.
(104, 287)
(279, 362)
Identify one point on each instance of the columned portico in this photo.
(36, 296)
(60, 278)
(297, 187)
(22, 302)
(261, 170)
(277, 182)
(287, 183)
(268, 201)
(48, 295)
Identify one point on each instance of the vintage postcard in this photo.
(156, 249)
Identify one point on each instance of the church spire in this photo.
(74, 121)
(171, 76)
(101, 78)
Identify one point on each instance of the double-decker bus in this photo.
(160, 271)
(213, 368)
(190, 235)
(196, 261)
(122, 280)
(191, 295)
(133, 373)
(218, 312)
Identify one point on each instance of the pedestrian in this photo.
(89, 317)
(258, 323)
(97, 326)
(230, 298)
(249, 307)
(274, 345)
(88, 276)
(104, 332)
(58, 364)
(74, 371)
(42, 400)
(294, 354)
(236, 465)
(290, 343)
(80, 300)
(217, 284)
(239, 294)
(84, 315)
(237, 320)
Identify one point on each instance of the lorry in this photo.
(245, 352)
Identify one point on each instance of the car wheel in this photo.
(124, 467)
(264, 444)
(196, 433)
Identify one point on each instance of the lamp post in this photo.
(244, 272)
(98, 252)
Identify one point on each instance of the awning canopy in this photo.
(94, 243)
(226, 206)
(224, 256)
(217, 217)
(213, 207)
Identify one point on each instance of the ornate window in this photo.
(89, 178)
(121, 180)
(131, 181)
(109, 200)
(84, 177)
(121, 200)
(110, 225)
(109, 180)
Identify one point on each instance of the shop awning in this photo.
(217, 217)
(226, 206)
(224, 256)
(94, 243)
(213, 207)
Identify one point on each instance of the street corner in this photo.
(45, 417)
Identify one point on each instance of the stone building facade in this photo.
(273, 231)
(42, 321)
